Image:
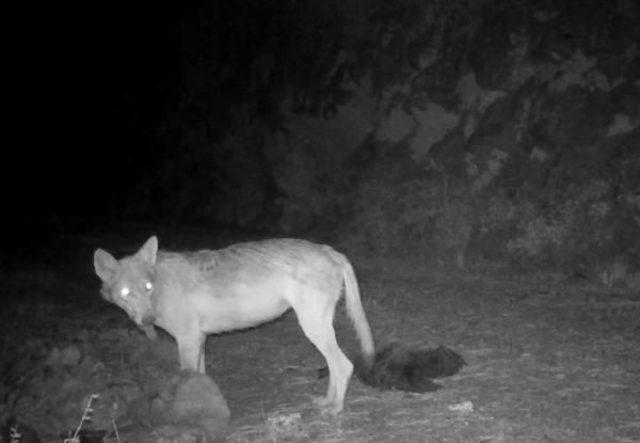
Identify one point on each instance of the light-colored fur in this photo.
(192, 294)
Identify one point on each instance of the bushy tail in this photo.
(394, 366)
(355, 309)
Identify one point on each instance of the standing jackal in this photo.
(193, 294)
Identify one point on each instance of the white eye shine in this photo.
(148, 286)
(125, 292)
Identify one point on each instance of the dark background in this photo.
(119, 112)
(92, 83)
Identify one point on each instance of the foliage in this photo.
(307, 198)
(415, 217)
(242, 61)
(582, 223)
(528, 175)
(530, 224)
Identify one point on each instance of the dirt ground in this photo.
(549, 358)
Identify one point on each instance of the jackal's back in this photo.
(301, 260)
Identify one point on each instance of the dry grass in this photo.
(549, 360)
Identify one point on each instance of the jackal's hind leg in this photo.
(317, 325)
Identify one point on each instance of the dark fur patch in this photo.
(409, 369)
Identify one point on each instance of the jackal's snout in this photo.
(147, 320)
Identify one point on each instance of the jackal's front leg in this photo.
(191, 352)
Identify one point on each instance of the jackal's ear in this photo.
(104, 264)
(149, 250)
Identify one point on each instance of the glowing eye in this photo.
(124, 292)
(148, 286)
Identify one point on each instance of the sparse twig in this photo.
(86, 416)
(115, 429)
(14, 434)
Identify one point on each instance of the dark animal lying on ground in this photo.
(397, 366)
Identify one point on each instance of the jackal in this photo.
(192, 294)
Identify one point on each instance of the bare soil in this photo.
(549, 359)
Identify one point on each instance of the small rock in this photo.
(198, 403)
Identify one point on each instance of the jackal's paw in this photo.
(326, 405)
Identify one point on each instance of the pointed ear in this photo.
(149, 250)
(104, 264)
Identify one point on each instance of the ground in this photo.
(549, 358)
